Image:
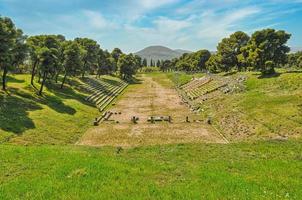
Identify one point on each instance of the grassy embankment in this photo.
(269, 107)
(59, 117)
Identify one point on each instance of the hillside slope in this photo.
(60, 116)
(267, 107)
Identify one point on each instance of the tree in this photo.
(294, 59)
(102, 63)
(158, 63)
(138, 61)
(266, 45)
(34, 43)
(165, 65)
(90, 55)
(9, 44)
(20, 50)
(116, 53)
(213, 63)
(230, 48)
(145, 63)
(72, 60)
(59, 67)
(127, 66)
(47, 52)
(151, 63)
(48, 60)
(184, 66)
(202, 57)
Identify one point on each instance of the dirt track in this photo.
(149, 99)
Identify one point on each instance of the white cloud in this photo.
(97, 20)
(215, 26)
(166, 25)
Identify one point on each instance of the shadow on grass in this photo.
(134, 80)
(55, 101)
(111, 82)
(14, 113)
(10, 79)
(274, 75)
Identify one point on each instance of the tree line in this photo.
(262, 51)
(48, 57)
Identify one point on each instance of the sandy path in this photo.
(144, 100)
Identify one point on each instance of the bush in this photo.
(269, 68)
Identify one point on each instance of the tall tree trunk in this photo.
(64, 80)
(33, 72)
(4, 78)
(39, 80)
(43, 82)
(57, 76)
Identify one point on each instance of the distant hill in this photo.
(182, 51)
(295, 49)
(160, 53)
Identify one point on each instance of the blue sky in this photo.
(135, 24)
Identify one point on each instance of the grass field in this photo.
(263, 170)
(264, 166)
(59, 117)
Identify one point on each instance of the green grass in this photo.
(265, 170)
(269, 107)
(245, 170)
(59, 117)
(181, 78)
(170, 79)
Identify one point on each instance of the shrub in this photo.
(269, 68)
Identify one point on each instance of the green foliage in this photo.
(214, 63)
(193, 62)
(12, 47)
(166, 65)
(158, 63)
(116, 53)
(229, 49)
(269, 67)
(90, 55)
(266, 45)
(138, 60)
(127, 65)
(184, 66)
(295, 59)
(72, 60)
(145, 62)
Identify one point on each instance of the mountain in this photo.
(159, 53)
(295, 49)
(182, 51)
